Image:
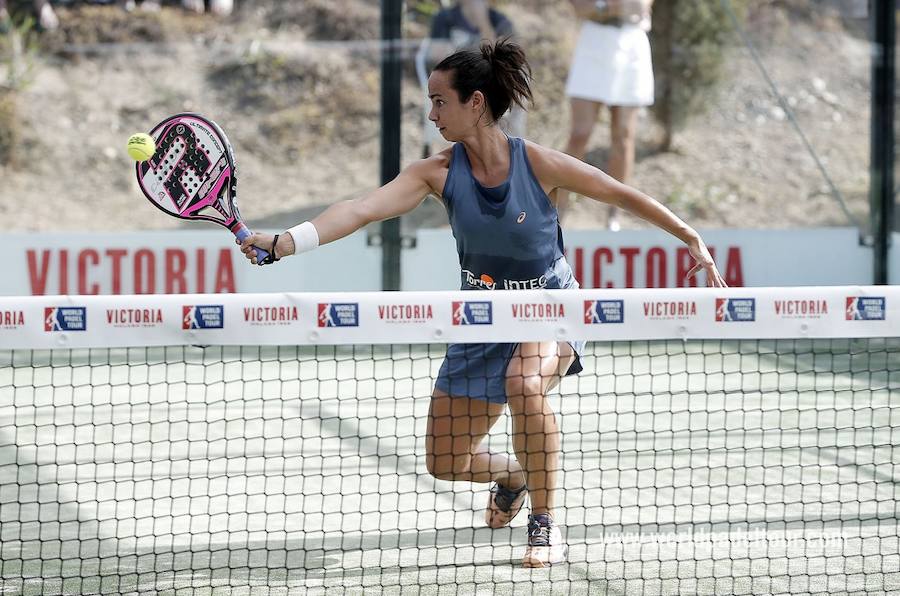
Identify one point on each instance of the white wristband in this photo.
(305, 237)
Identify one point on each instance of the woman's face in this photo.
(453, 118)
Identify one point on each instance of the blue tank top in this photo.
(508, 237)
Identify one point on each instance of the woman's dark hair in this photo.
(498, 69)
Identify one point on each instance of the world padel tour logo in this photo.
(670, 309)
(538, 311)
(12, 319)
(599, 312)
(339, 315)
(735, 310)
(801, 309)
(405, 313)
(473, 313)
(203, 316)
(865, 308)
(271, 315)
(134, 317)
(65, 318)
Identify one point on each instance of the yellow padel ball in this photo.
(141, 146)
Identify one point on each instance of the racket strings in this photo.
(192, 173)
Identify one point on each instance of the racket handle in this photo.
(242, 232)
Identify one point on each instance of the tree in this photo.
(688, 40)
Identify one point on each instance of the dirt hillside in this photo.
(303, 114)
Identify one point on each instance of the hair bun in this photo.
(488, 51)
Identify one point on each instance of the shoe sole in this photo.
(533, 562)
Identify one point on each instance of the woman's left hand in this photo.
(705, 262)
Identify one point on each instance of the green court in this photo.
(717, 467)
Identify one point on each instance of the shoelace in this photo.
(538, 535)
(504, 497)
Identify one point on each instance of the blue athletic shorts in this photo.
(478, 371)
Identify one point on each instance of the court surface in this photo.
(702, 467)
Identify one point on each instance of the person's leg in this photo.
(194, 5)
(453, 442)
(534, 369)
(4, 18)
(584, 115)
(47, 18)
(532, 372)
(622, 130)
(221, 7)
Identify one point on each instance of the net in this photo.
(732, 465)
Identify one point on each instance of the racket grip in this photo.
(242, 232)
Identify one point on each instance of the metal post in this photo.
(391, 71)
(881, 189)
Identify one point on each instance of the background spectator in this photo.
(611, 66)
(219, 7)
(43, 12)
(464, 24)
(148, 5)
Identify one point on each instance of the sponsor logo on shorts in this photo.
(535, 283)
(486, 282)
(597, 312)
(735, 310)
(483, 281)
(65, 318)
(473, 313)
(801, 309)
(271, 315)
(203, 316)
(12, 319)
(405, 313)
(134, 317)
(670, 309)
(865, 308)
(339, 315)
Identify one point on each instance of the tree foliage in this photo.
(688, 40)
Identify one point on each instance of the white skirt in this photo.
(612, 65)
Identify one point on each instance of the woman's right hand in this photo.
(285, 245)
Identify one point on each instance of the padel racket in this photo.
(192, 174)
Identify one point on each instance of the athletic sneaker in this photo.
(503, 505)
(545, 543)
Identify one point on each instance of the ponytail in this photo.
(498, 69)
